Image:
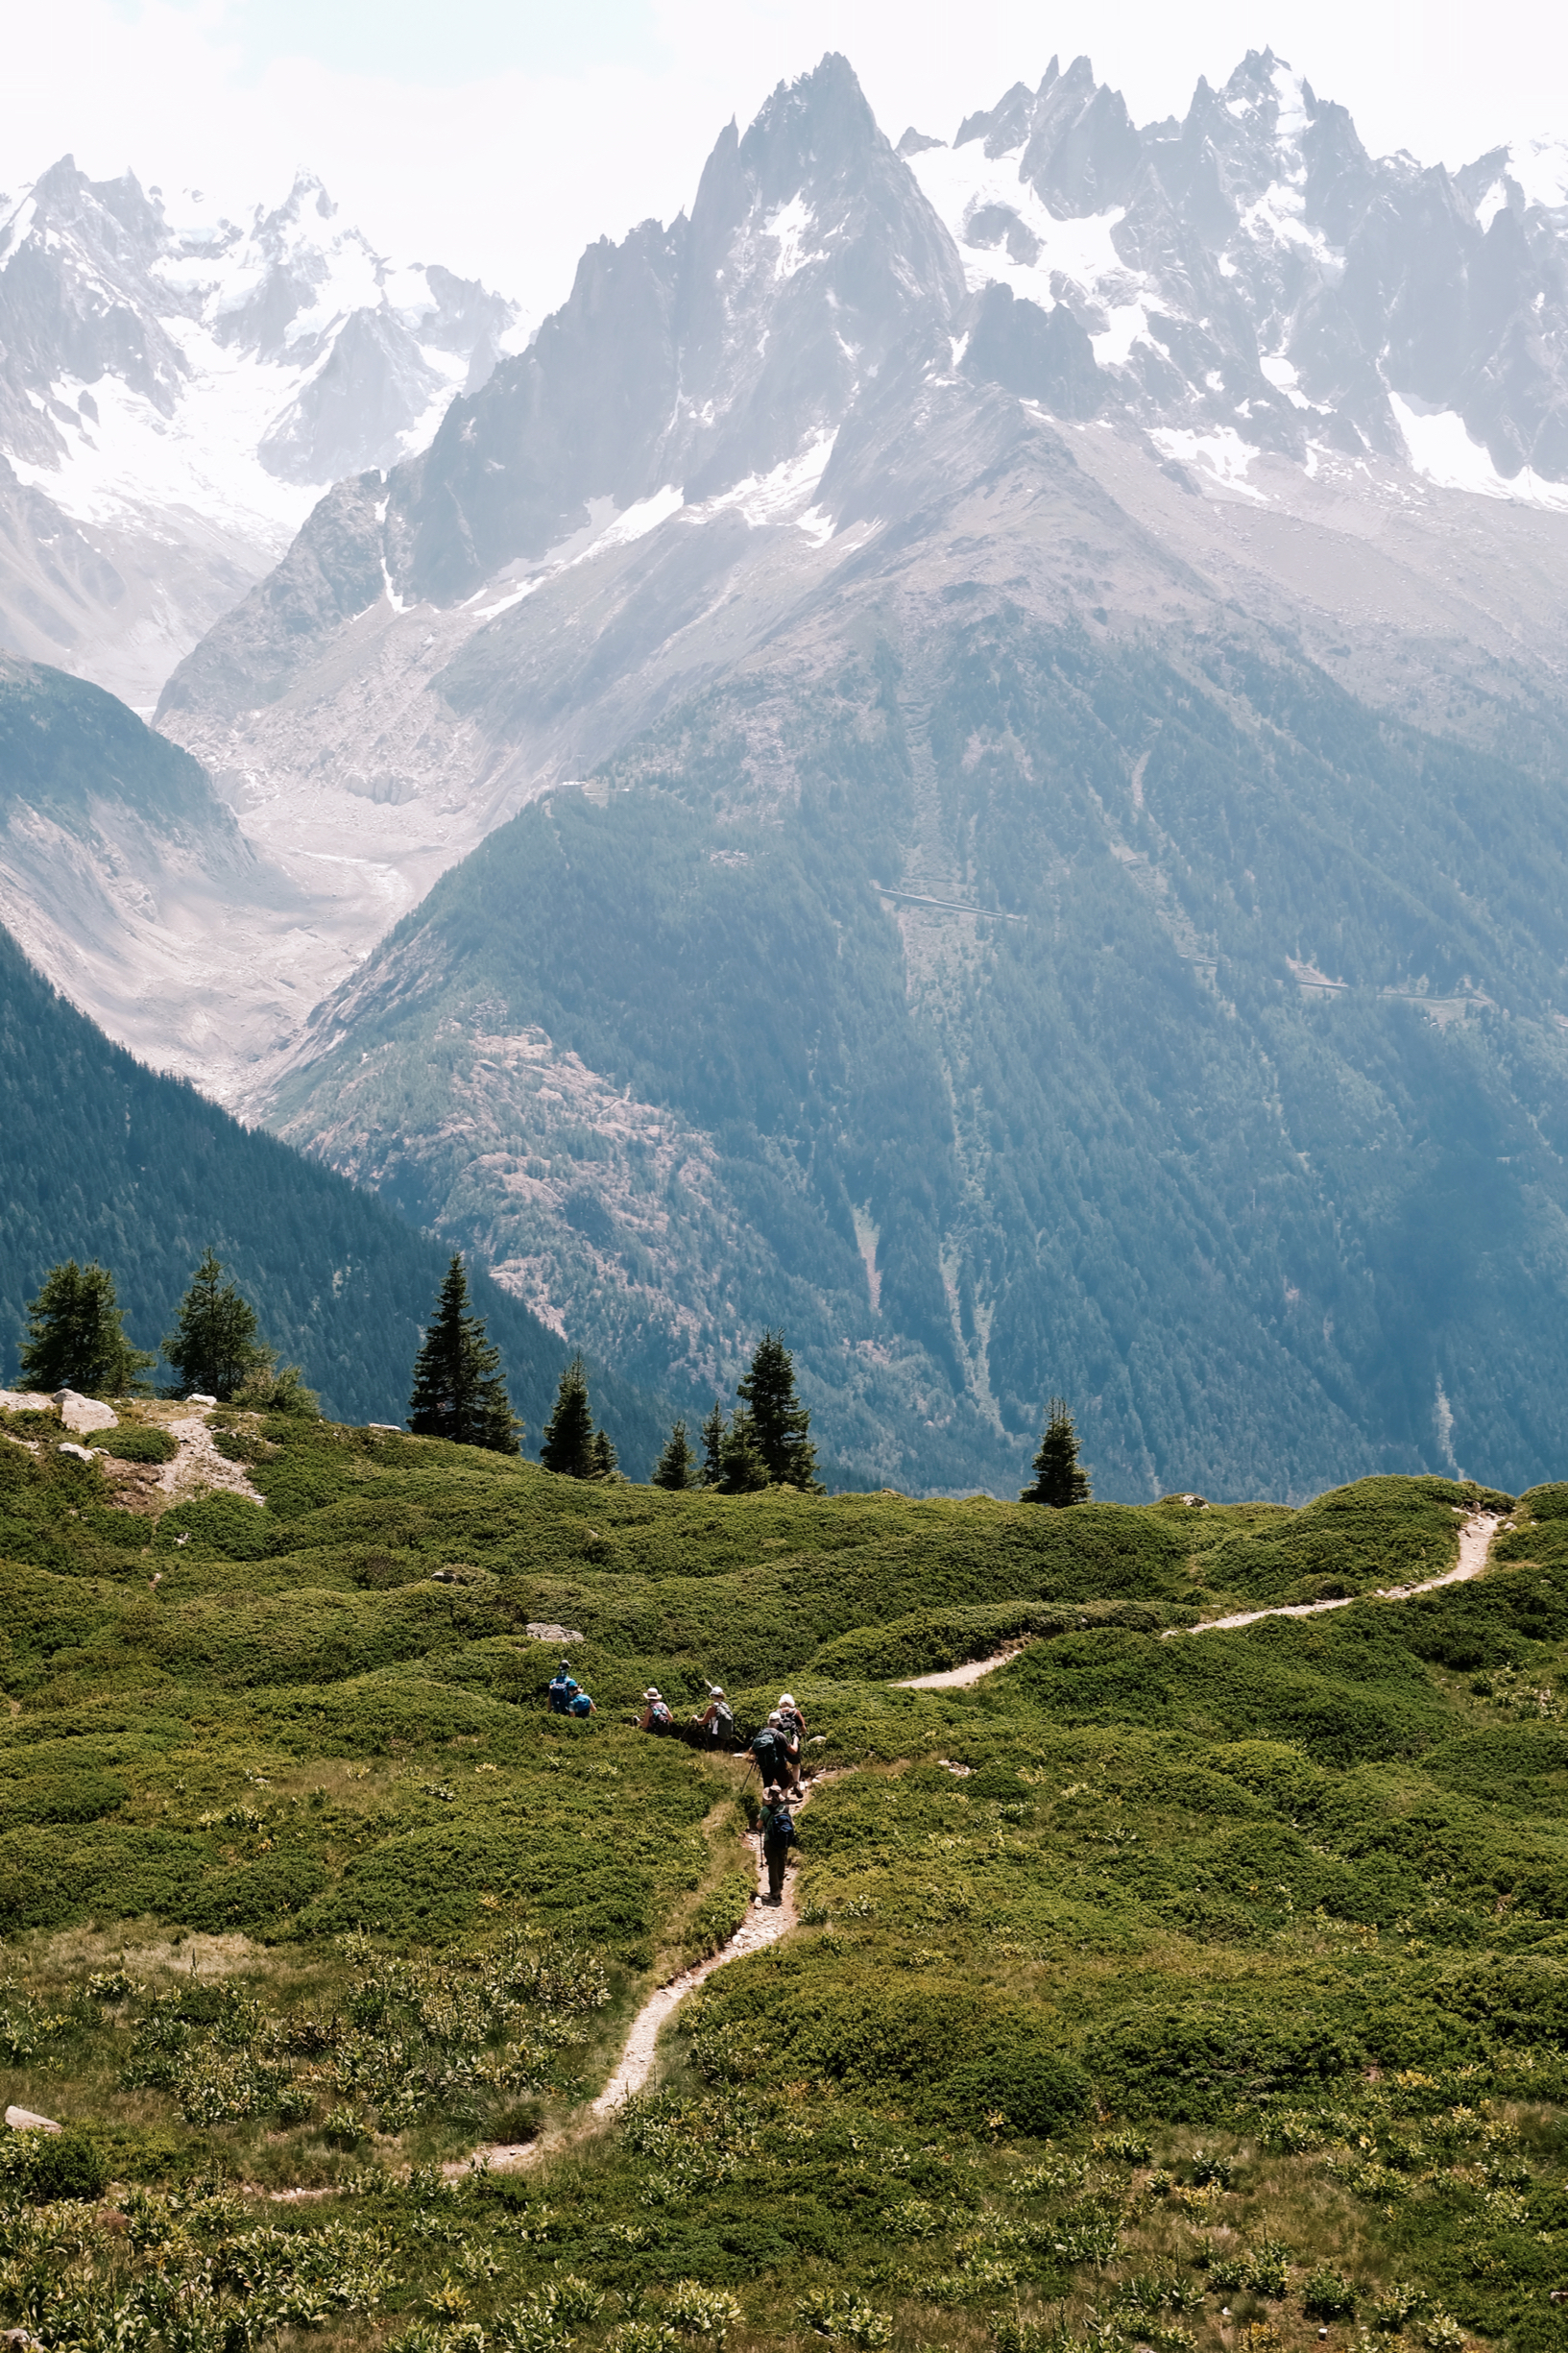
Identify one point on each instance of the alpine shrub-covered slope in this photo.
(106, 1159)
(1012, 1013)
(1161, 1989)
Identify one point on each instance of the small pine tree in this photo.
(459, 1388)
(280, 1390)
(606, 1462)
(74, 1336)
(568, 1434)
(712, 1434)
(214, 1346)
(780, 1422)
(741, 1468)
(677, 1465)
(1059, 1477)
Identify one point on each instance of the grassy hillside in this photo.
(340, 1284)
(1161, 1989)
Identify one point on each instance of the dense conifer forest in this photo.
(106, 1159)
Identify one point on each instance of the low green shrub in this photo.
(1326, 2294)
(1264, 2269)
(697, 2311)
(47, 2167)
(845, 2318)
(134, 1442)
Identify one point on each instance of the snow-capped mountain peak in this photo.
(179, 382)
(1251, 282)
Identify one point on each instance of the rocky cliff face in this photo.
(1251, 276)
(176, 392)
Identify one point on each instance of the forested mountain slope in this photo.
(106, 1160)
(1231, 1107)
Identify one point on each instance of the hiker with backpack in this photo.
(716, 1720)
(777, 1826)
(579, 1704)
(562, 1688)
(656, 1716)
(769, 1751)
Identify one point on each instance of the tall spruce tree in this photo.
(214, 1345)
(570, 1434)
(677, 1467)
(75, 1338)
(459, 1388)
(712, 1434)
(779, 1422)
(1059, 1477)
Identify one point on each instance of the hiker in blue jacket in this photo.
(778, 1834)
(562, 1688)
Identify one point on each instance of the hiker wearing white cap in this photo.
(716, 1719)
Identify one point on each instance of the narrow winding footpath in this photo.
(1475, 1546)
(764, 1924)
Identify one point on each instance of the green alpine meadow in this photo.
(1155, 1987)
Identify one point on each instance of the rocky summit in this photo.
(177, 389)
(961, 755)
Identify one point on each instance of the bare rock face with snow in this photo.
(1250, 280)
(176, 392)
(1237, 315)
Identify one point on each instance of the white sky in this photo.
(500, 136)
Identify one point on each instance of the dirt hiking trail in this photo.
(764, 1924)
(959, 1678)
(1475, 1547)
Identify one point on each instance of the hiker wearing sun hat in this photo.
(656, 1716)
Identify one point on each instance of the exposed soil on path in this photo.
(764, 1924)
(1475, 1547)
(958, 1678)
(1475, 1544)
(199, 1468)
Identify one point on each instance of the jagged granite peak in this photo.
(944, 910)
(1245, 285)
(691, 356)
(1253, 282)
(176, 392)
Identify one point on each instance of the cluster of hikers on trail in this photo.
(777, 1752)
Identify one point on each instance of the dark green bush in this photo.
(136, 1442)
(240, 1447)
(47, 2167)
(1037, 2091)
